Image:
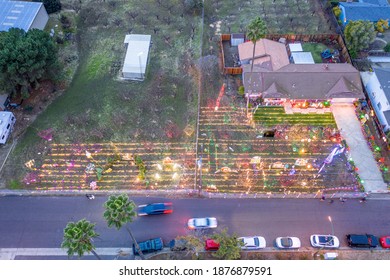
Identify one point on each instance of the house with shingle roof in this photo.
(270, 54)
(377, 84)
(371, 10)
(285, 81)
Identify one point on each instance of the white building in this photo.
(23, 15)
(137, 55)
(377, 85)
(7, 121)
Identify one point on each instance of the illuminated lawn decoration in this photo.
(292, 157)
(220, 95)
(93, 185)
(46, 134)
(30, 164)
(70, 167)
(233, 160)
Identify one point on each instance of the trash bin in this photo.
(330, 256)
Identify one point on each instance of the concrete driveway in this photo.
(360, 153)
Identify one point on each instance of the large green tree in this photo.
(25, 59)
(119, 211)
(194, 6)
(229, 246)
(51, 6)
(359, 34)
(78, 238)
(255, 30)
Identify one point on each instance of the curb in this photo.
(194, 194)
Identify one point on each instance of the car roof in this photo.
(249, 241)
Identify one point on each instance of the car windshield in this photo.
(286, 242)
(256, 240)
(387, 241)
(326, 240)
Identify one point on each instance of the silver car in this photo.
(324, 241)
(252, 242)
(288, 242)
(200, 223)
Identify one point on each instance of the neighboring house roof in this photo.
(305, 81)
(383, 75)
(365, 11)
(18, 14)
(376, 2)
(269, 54)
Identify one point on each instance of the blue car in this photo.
(155, 209)
(149, 246)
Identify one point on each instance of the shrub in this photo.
(15, 184)
(353, 53)
(241, 90)
(382, 25)
(336, 11)
(51, 6)
(387, 48)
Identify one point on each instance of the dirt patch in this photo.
(302, 254)
(35, 104)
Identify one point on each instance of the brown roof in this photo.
(305, 81)
(269, 54)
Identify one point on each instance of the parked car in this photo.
(148, 246)
(385, 241)
(155, 209)
(252, 242)
(178, 244)
(288, 242)
(211, 245)
(201, 223)
(324, 241)
(362, 240)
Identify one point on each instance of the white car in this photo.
(288, 242)
(252, 242)
(200, 223)
(324, 241)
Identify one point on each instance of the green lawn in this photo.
(315, 49)
(270, 116)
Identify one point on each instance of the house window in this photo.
(8, 126)
(379, 106)
(373, 94)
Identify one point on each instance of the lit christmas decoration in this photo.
(30, 164)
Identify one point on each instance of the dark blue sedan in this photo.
(155, 209)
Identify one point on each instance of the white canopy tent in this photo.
(137, 54)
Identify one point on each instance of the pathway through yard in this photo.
(361, 154)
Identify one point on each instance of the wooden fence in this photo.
(228, 70)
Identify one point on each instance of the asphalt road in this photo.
(38, 222)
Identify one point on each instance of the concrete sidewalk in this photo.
(58, 253)
(269, 253)
(360, 153)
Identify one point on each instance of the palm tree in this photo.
(256, 30)
(78, 238)
(120, 211)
